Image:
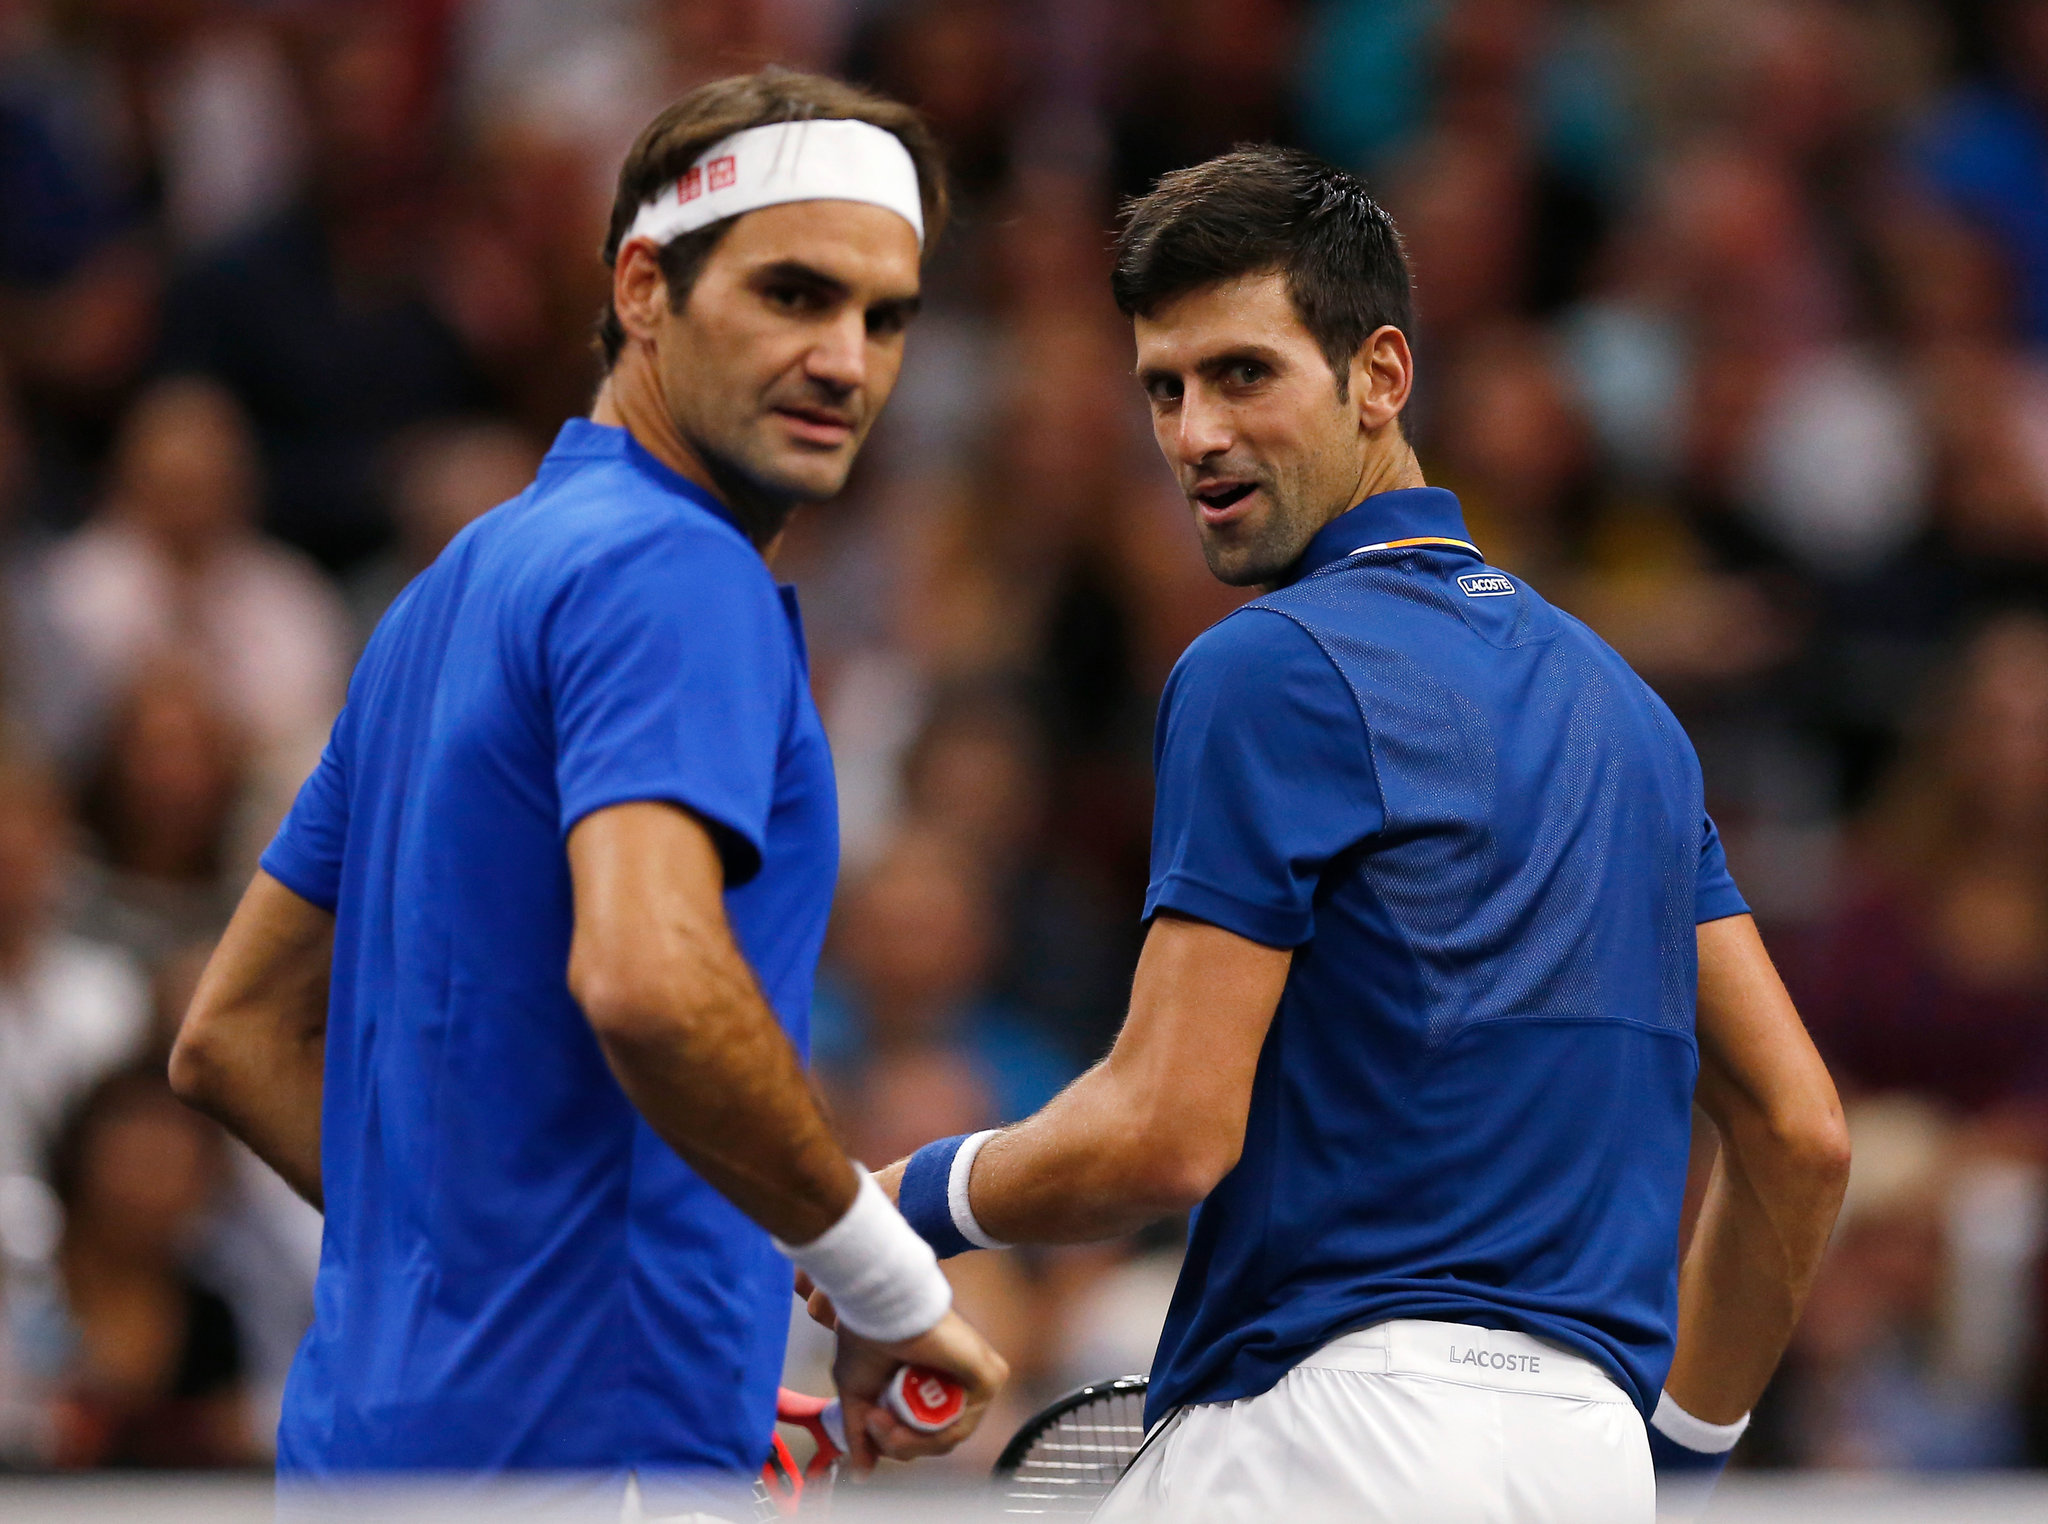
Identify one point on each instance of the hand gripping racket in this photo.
(921, 1399)
(1065, 1459)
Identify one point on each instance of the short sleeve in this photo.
(305, 855)
(1716, 897)
(669, 665)
(1264, 776)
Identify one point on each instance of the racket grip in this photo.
(923, 1399)
(832, 1419)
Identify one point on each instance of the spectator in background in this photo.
(977, 775)
(70, 1010)
(39, 688)
(1933, 977)
(80, 275)
(160, 802)
(328, 322)
(196, 128)
(1515, 450)
(1984, 149)
(157, 1374)
(446, 474)
(1242, 51)
(961, 65)
(905, 1029)
(173, 561)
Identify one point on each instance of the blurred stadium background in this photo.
(1733, 315)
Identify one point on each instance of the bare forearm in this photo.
(1150, 1130)
(683, 1023)
(1753, 1258)
(1774, 1192)
(1069, 1174)
(269, 1096)
(251, 1052)
(722, 1086)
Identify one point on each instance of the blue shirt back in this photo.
(1484, 838)
(517, 1273)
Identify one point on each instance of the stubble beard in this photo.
(760, 503)
(1261, 555)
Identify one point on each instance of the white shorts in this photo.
(1407, 1422)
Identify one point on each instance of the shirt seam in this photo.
(1378, 782)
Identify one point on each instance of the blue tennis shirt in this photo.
(1484, 838)
(517, 1273)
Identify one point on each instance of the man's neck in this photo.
(1389, 469)
(631, 399)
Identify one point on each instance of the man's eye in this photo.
(886, 323)
(1246, 373)
(794, 298)
(1163, 390)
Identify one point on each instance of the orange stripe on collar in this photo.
(1426, 539)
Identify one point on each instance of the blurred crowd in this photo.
(1733, 338)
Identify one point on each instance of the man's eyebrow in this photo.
(904, 307)
(1237, 354)
(1212, 364)
(795, 270)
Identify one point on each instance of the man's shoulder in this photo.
(1250, 647)
(600, 517)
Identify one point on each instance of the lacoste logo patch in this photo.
(1486, 585)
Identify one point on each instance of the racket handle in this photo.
(923, 1399)
(832, 1418)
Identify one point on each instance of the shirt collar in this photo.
(586, 439)
(1427, 514)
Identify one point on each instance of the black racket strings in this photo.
(1064, 1461)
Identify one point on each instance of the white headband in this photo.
(818, 160)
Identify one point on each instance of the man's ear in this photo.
(639, 290)
(1382, 375)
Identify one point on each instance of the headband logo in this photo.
(691, 185)
(723, 171)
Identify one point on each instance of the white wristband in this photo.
(956, 1193)
(882, 1278)
(1681, 1428)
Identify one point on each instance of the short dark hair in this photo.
(1260, 208)
(673, 141)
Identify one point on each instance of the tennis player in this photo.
(520, 993)
(1443, 952)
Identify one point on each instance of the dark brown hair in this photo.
(673, 141)
(1260, 208)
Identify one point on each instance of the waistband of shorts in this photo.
(1495, 1358)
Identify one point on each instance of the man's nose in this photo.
(1204, 428)
(839, 360)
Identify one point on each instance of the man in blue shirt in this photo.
(1443, 949)
(520, 994)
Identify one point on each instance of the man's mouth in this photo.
(1219, 502)
(817, 425)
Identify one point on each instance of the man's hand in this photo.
(861, 1370)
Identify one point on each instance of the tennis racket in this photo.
(1064, 1461)
(922, 1399)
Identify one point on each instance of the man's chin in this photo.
(797, 477)
(807, 476)
(1242, 565)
